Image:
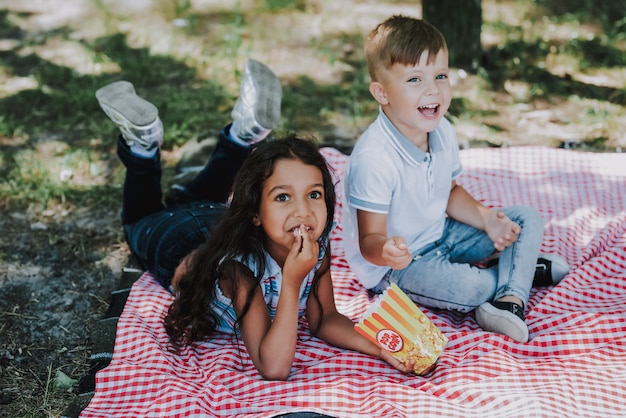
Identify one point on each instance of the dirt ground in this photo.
(54, 286)
(57, 269)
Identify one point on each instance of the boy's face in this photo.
(415, 98)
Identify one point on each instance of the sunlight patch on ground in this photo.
(13, 85)
(67, 53)
(44, 15)
(607, 77)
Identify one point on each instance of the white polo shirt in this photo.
(388, 174)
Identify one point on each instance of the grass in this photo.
(192, 104)
(57, 148)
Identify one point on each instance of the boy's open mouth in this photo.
(429, 110)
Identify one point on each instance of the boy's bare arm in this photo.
(464, 208)
(378, 248)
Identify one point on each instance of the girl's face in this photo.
(292, 196)
(415, 98)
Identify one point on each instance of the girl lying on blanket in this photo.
(253, 267)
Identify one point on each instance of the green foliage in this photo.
(31, 180)
(308, 106)
(462, 108)
(139, 65)
(521, 60)
(7, 29)
(276, 5)
(611, 14)
(182, 8)
(62, 103)
(595, 52)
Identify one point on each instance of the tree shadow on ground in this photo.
(519, 60)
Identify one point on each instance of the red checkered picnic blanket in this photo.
(573, 366)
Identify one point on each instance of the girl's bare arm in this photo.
(337, 329)
(270, 344)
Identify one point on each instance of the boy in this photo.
(406, 220)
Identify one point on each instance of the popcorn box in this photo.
(396, 324)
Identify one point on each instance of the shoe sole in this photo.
(266, 108)
(120, 102)
(502, 322)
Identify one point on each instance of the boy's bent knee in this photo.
(523, 214)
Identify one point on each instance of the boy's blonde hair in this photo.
(401, 39)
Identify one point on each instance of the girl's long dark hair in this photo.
(190, 317)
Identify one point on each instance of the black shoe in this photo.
(550, 269)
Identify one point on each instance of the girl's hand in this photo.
(502, 231)
(396, 253)
(301, 258)
(397, 364)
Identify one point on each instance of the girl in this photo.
(267, 263)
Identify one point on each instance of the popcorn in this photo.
(396, 324)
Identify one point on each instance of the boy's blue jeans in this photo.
(159, 236)
(443, 274)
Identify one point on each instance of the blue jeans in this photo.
(444, 274)
(161, 236)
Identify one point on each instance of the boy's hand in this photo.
(302, 257)
(396, 253)
(502, 231)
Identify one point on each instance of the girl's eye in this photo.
(413, 80)
(315, 195)
(442, 76)
(282, 197)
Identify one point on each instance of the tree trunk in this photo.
(460, 23)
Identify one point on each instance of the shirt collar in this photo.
(407, 150)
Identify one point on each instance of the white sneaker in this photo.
(137, 119)
(257, 109)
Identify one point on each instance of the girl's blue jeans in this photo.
(444, 274)
(161, 236)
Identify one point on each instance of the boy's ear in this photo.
(378, 91)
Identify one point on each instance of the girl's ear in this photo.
(256, 221)
(378, 91)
